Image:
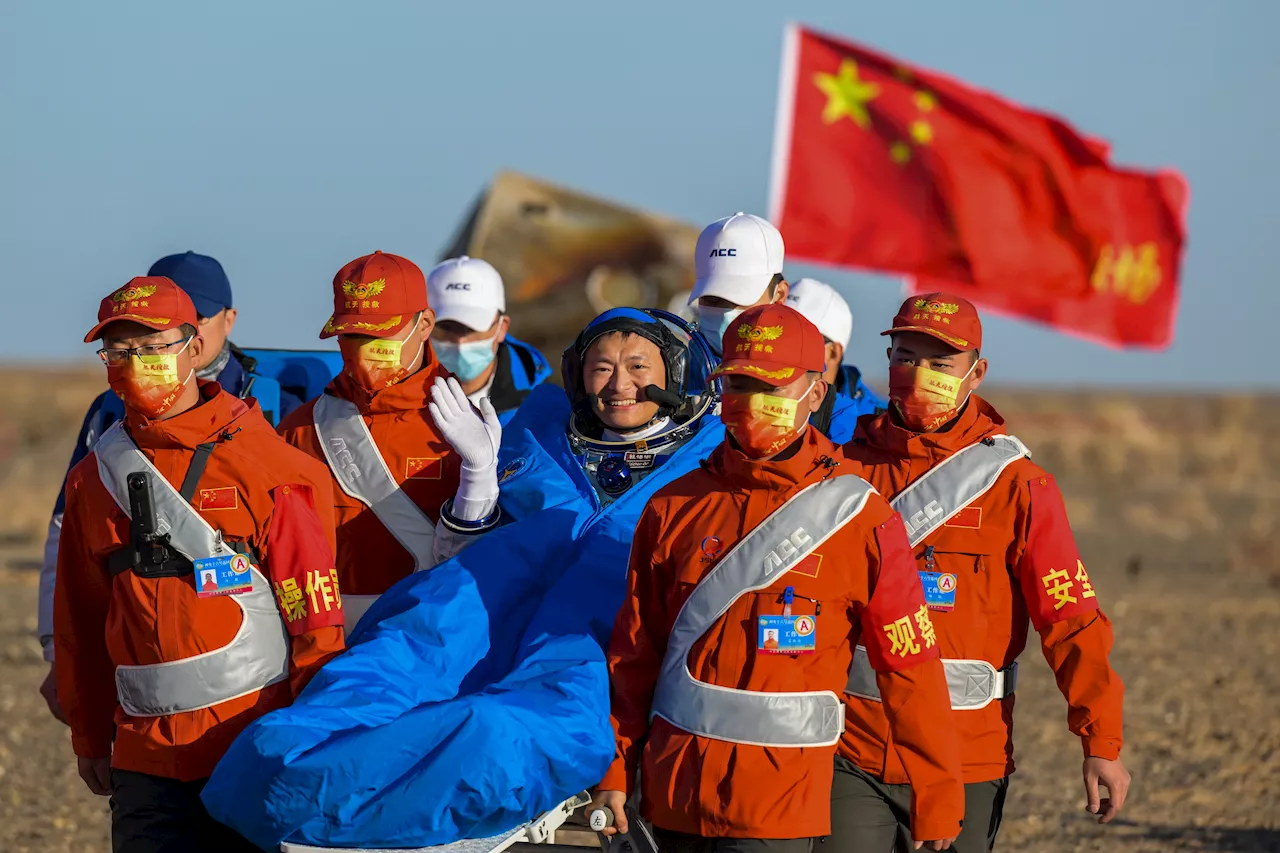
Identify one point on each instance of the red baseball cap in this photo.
(948, 318)
(773, 343)
(376, 295)
(148, 300)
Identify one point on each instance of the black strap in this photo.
(248, 363)
(199, 460)
(120, 561)
(821, 419)
(503, 393)
(175, 566)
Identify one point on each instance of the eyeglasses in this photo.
(120, 355)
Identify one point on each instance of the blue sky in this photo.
(286, 138)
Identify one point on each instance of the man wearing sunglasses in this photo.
(158, 674)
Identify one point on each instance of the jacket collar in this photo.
(503, 393)
(813, 452)
(977, 421)
(216, 414)
(408, 395)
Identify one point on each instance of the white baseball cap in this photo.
(466, 290)
(824, 308)
(736, 258)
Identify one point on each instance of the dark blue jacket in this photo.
(521, 368)
(849, 399)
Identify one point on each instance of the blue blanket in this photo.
(474, 696)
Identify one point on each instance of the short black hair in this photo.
(625, 334)
(188, 330)
(774, 282)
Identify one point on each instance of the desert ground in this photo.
(1176, 503)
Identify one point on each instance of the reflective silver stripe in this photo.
(973, 684)
(257, 656)
(925, 506)
(954, 483)
(773, 548)
(363, 474)
(353, 607)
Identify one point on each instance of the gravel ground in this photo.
(1177, 509)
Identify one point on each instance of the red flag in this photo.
(883, 166)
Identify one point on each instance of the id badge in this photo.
(787, 635)
(223, 576)
(939, 590)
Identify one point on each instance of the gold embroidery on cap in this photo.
(784, 373)
(363, 291)
(378, 327)
(936, 307)
(749, 332)
(128, 294)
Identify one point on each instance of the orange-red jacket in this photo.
(370, 560)
(1014, 556)
(255, 489)
(863, 581)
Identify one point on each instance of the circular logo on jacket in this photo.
(711, 546)
(947, 582)
(239, 564)
(515, 466)
(804, 625)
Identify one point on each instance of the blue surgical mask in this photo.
(465, 360)
(714, 322)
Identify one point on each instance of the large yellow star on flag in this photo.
(847, 95)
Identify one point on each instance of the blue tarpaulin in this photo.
(474, 696)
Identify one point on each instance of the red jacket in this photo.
(370, 560)
(255, 489)
(862, 579)
(1014, 557)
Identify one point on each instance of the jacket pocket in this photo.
(982, 592)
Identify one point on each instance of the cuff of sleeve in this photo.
(46, 647)
(469, 528)
(477, 492)
(932, 829)
(91, 747)
(937, 810)
(1101, 747)
(616, 779)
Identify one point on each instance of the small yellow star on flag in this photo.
(922, 132)
(847, 95)
(900, 152)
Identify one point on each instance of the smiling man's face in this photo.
(616, 368)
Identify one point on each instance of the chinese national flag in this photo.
(879, 165)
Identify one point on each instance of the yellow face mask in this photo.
(925, 399)
(762, 424)
(381, 351)
(149, 384)
(375, 363)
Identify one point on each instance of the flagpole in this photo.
(783, 120)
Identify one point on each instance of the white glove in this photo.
(475, 437)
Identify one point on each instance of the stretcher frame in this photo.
(540, 830)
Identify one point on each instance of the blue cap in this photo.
(201, 277)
